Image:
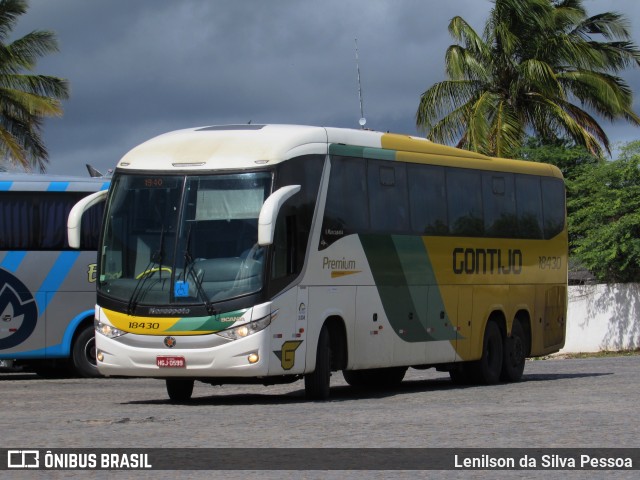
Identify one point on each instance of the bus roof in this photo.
(232, 147)
(33, 182)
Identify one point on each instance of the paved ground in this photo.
(577, 403)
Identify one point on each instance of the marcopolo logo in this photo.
(18, 310)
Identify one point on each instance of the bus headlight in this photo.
(246, 329)
(108, 330)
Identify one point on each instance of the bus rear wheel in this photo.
(488, 368)
(514, 354)
(316, 384)
(180, 389)
(83, 355)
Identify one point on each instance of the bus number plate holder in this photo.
(170, 362)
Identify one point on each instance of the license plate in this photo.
(170, 362)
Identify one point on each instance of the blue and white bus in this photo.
(47, 290)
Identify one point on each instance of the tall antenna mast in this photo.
(362, 120)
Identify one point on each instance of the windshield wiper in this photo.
(156, 259)
(189, 264)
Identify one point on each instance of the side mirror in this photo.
(75, 216)
(269, 213)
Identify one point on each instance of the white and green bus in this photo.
(270, 253)
(47, 289)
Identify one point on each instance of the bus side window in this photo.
(529, 206)
(388, 200)
(285, 255)
(464, 197)
(428, 200)
(553, 206)
(498, 198)
(38, 221)
(293, 225)
(346, 211)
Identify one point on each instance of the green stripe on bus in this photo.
(423, 286)
(407, 287)
(393, 289)
(362, 152)
(213, 323)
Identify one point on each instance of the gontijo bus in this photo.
(47, 290)
(265, 253)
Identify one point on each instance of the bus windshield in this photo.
(172, 239)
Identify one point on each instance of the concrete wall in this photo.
(603, 317)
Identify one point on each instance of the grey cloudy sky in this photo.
(139, 68)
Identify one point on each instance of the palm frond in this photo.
(610, 25)
(461, 31)
(538, 65)
(507, 133)
(462, 64)
(441, 98)
(23, 53)
(10, 10)
(451, 128)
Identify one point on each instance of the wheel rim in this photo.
(90, 352)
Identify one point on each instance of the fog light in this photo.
(100, 356)
(253, 358)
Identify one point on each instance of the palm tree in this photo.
(25, 99)
(538, 68)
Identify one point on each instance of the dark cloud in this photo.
(138, 68)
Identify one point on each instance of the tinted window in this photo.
(498, 199)
(529, 206)
(553, 198)
(38, 221)
(380, 196)
(346, 209)
(388, 199)
(427, 196)
(293, 225)
(464, 197)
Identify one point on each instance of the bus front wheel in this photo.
(180, 389)
(83, 355)
(316, 384)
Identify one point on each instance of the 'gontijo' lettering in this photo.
(482, 261)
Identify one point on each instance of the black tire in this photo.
(180, 389)
(375, 378)
(487, 370)
(83, 353)
(515, 352)
(317, 383)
